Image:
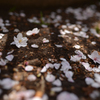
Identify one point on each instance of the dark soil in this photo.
(46, 51)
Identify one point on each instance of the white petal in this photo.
(28, 33)
(45, 40)
(10, 52)
(95, 85)
(44, 69)
(95, 94)
(0, 53)
(37, 98)
(65, 66)
(69, 75)
(56, 65)
(34, 46)
(67, 96)
(7, 83)
(89, 81)
(59, 46)
(75, 58)
(49, 65)
(31, 77)
(97, 77)
(57, 82)
(29, 68)
(50, 77)
(93, 42)
(45, 97)
(3, 62)
(77, 46)
(12, 43)
(87, 66)
(9, 57)
(16, 30)
(56, 89)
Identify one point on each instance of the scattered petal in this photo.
(9, 57)
(31, 77)
(29, 68)
(77, 46)
(8, 83)
(45, 40)
(34, 46)
(56, 89)
(67, 96)
(59, 46)
(95, 57)
(3, 62)
(44, 69)
(56, 65)
(57, 82)
(95, 94)
(34, 31)
(50, 77)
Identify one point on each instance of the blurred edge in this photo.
(44, 3)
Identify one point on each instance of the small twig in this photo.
(40, 92)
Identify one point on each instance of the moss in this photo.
(98, 30)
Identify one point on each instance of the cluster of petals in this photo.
(87, 67)
(9, 57)
(32, 32)
(8, 83)
(19, 95)
(78, 57)
(95, 94)
(94, 83)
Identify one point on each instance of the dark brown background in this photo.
(44, 3)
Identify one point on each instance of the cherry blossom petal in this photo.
(95, 94)
(89, 81)
(56, 65)
(75, 58)
(87, 66)
(34, 46)
(3, 62)
(37, 98)
(95, 57)
(56, 89)
(31, 77)
(34, 31)
(45, 40)
(10, 57)
(44, 69)
(50, 77)
(67, 96)
(69, 75)
(97, 77)
(7, 83)
(77, 46)
(29, 68)
(10, 52)
(57, 82)
(0, 53)
(59, 46)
